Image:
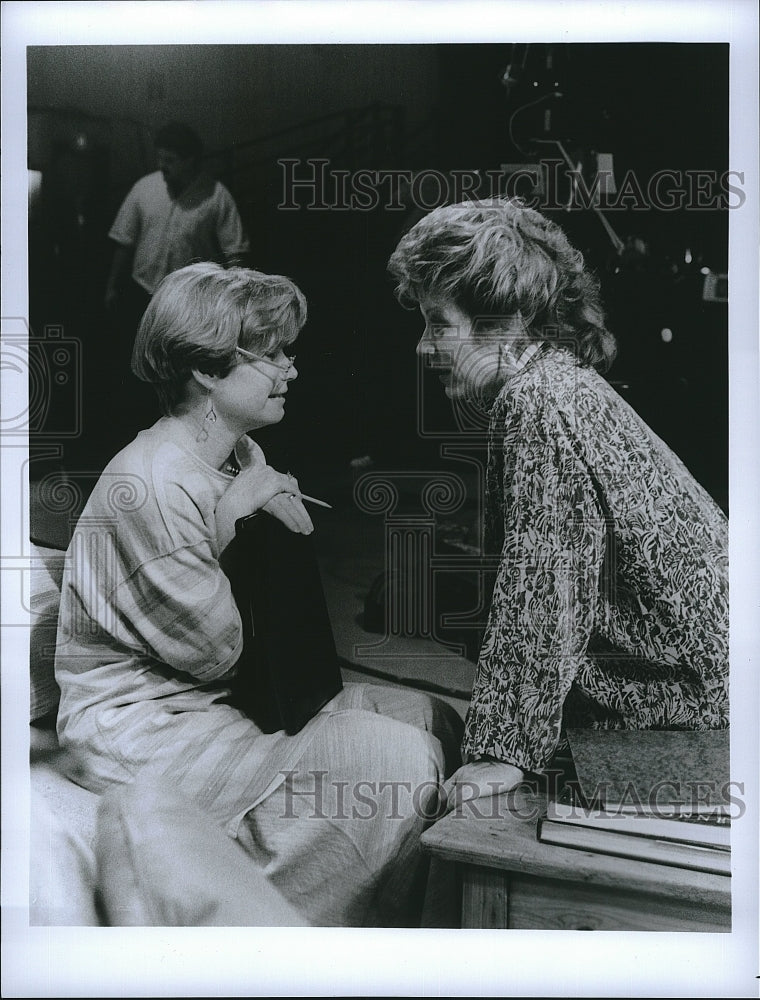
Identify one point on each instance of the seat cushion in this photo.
(45, 595)
(62, 825)
(61, 869)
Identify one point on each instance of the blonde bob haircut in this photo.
(501, 263)
(201, 313)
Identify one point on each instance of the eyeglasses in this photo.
(285, 369)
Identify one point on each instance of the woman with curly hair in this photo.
(610, 603)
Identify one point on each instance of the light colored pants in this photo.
(339, 836)
(61, 871)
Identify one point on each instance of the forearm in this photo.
(545, 597)
(226, 516)
(260, 488)
(180, 608)
(515, 716)
(120, 268)
(536, 642)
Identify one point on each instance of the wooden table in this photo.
(512, 880)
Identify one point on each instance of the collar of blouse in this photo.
(514, 357)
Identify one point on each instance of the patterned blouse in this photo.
(610, 605)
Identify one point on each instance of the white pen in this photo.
(304, 496)
(321, 503)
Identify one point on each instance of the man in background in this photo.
(171, 217)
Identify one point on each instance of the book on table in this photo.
(637, 847)
(660, 796)
(705, 830)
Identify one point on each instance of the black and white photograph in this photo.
(380, 467)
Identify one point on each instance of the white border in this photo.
(156, 962)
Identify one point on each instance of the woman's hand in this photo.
(479, 779)
(260, 487)
(289, 508)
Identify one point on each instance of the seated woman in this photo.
(610, 604)
(149, 633)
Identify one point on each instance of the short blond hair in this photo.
(201, 313)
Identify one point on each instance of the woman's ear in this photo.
(206, 381)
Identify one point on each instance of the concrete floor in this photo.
(351, 548)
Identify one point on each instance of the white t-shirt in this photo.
(167, 233)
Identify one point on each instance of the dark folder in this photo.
(289, 668)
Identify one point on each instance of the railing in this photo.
(371, 136)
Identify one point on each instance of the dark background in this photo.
(92, 111)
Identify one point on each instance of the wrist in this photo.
(237, 503)
(489, 761)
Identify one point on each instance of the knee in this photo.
(444, 723)
(422, 712)
(377, 758)
(409, 779)
(436, 713)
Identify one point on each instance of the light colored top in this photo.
(610, 606)
(167, 233)
(149, 634)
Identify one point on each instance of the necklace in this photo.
(231, 466)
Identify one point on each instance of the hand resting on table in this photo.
(479, 779)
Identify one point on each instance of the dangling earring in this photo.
(506, 361)
(210, 418)
(211, 415)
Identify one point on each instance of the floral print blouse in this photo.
(610, 604)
